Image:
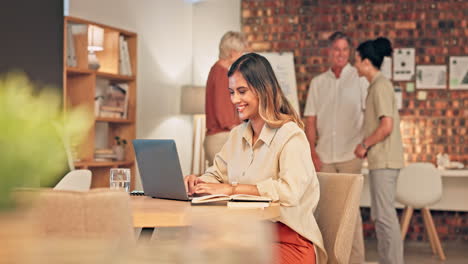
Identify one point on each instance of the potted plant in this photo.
(31, 139)
(119, 148)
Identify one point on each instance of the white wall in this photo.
(164, 64)
(211, 19)
(177, 45)
(109, 12)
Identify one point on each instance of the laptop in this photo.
(159, 168)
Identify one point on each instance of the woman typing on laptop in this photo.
(268, 155)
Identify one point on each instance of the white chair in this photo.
(75, 180)
(419, 186)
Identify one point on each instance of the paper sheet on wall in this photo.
(431, 76)
(458, 72)
(403, 64)
(398, 97)
(386, 68)
(409, 87)
(283, 66)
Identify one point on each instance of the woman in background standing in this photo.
(221, 116)
(382, 145)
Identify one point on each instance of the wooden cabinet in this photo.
(82, 85)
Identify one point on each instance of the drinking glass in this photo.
(120, 179)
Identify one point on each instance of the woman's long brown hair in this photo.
(274, 108)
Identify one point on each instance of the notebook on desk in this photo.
(241, 198)
(159, 167)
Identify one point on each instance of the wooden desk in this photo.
(150, 212)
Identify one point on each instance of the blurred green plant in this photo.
(34, 125)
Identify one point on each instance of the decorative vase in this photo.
(119, 151)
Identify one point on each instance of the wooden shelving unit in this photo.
(80, 89)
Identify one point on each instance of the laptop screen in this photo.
(159, 168)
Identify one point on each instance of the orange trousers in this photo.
(291, 247)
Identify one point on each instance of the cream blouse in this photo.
(280, 165)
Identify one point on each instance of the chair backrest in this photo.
(75, 180)
(96, 214)
(336, 212)
(419, 185)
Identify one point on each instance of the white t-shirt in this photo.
(338, 105)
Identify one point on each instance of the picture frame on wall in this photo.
(283, 66)
(403, 64)
(458, 77)
(431, 76)
(386, 67)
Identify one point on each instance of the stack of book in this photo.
(104, 155)
(115, 101)
(111, 112)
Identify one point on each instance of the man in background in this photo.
(334, 120)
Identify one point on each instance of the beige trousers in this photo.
(353, 166)
(382, 186)
(213, 144)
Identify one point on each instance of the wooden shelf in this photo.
(93, 163)
(78, 71)
(111, 76)
(115, 77)
(113, 120)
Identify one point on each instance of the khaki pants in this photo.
(213, 144)
(353, 166)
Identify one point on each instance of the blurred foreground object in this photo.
(33, 124)
(32, 153)
(220, 239)
(100, 213)
(67, 227)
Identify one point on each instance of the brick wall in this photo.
(437, 29)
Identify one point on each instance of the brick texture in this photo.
(437, 29)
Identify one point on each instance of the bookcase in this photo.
(85, 86)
